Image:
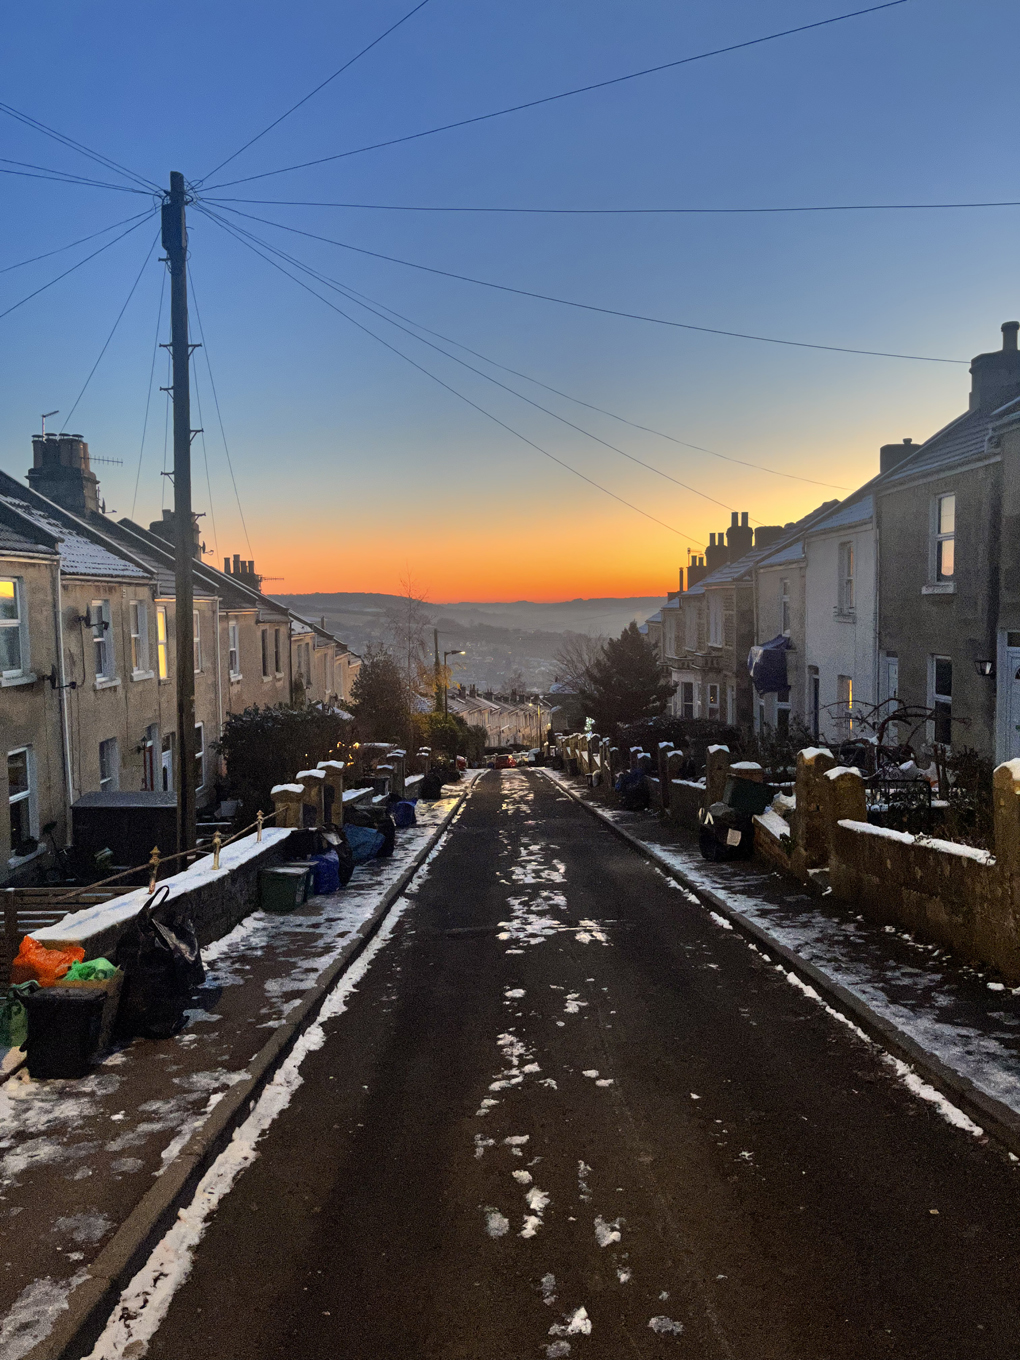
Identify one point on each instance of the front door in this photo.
(167, 763)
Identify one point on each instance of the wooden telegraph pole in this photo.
(175, 243)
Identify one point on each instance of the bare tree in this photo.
(576, 657)
(408, 624)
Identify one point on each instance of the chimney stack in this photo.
(740, 536)
(995, 377)
(891, 454)
(696, 572)
(60, 471)
(767, 534)
(164, 528)
(716, 554)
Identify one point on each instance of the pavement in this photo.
(81, 1159)
(559, 1109)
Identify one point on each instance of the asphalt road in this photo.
(568, 1114)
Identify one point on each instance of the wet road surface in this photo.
(567, 1114)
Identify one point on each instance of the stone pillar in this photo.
(333, 790)
(634, 753)
(1006, 809)
(809, 825)
(312, 781)
(717, 767)
(663, 752)
(398, 759)
(288, 800)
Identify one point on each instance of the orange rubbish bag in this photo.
(46, 966)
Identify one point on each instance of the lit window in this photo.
(233, 649)
(109, 765)
(713, 701)
(945, 538)
(199, 755)
(197, 642)
(847, 597)
(161, 664)
(139, 637)
(19, 794)
(942, 698)
(12, 652)
(102, 638)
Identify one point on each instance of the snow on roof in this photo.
(79, 555)
(793, 552)
(13, 542)
(853, 512)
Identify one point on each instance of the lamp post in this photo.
(446, 688)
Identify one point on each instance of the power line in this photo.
(358, 300)
(623, 212)
(481, 409)
(567, 94)
(64, 275)
(205, 458)
(62, 177)
(219, 415)
(145, 262)
(80, 147)
(375, 41)
(591, 307)
(136, 217)
(148, 395)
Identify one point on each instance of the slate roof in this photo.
(962, 440)
(13, 542)
(850, 512)
(793, 552)
(79, 555)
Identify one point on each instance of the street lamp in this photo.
(446, 688)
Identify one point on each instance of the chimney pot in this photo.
(743, 520)
(1009, 330)
(733, 520)
(226, 566)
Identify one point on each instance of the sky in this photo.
(339, 465)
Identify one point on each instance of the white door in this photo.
(1013, 703)
(168, 769)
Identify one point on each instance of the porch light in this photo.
(985, 667)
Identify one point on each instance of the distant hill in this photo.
(499, 638)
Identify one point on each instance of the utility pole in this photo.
(175, 243)
(435, 643)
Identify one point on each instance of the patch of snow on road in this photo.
(496, 1224)
(577, 1323)
(574, 1003)
(522, 1177)
(515, 993)
(624, 1274)
(664, 1326)
(33, 1313)
(548, 1287)
(607, 1233)
(538, 1202)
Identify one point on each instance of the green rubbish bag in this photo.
(14, 1016)
(92, 970)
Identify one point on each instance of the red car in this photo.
(503, 763)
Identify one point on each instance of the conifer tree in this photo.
(626, 682)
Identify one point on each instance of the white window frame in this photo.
(233, 649)
(110, 782)
(944, 535)
(845, 702)
(716, 619)
(162, 656)
(29, 796)
(784, 608)
(102, 642)
(847, 584)
(18, 625)
(936, 696)
(197, 640)
(199, 755)
(139, 631)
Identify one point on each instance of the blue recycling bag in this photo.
(365, 842)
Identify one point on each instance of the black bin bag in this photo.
(63, 1031)
(162, 966)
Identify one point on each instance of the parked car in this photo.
(502, 762)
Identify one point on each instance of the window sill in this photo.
(268, 679)
(142, 675)
(16, 861)
(939, 588)
(235, 679)
(844, 615)
(26, 678)
(104, 682)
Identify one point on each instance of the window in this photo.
(713, 701)
(166, 763)
(784, 607)
(277, 658)
(12, 649)
(139, 637)
(109, 765)
(161, 666)
(19, 794)
(102, 638)
(149, 742)
(691, 628)
(945, 538)
(715, 619)
(892, 678)
(687, 699)
(233, 650)
(845, 700)
(265, 654)
(199, 755)
(942, 698)
(847, 599)
(197, 641)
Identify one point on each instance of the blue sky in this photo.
(352, 466)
